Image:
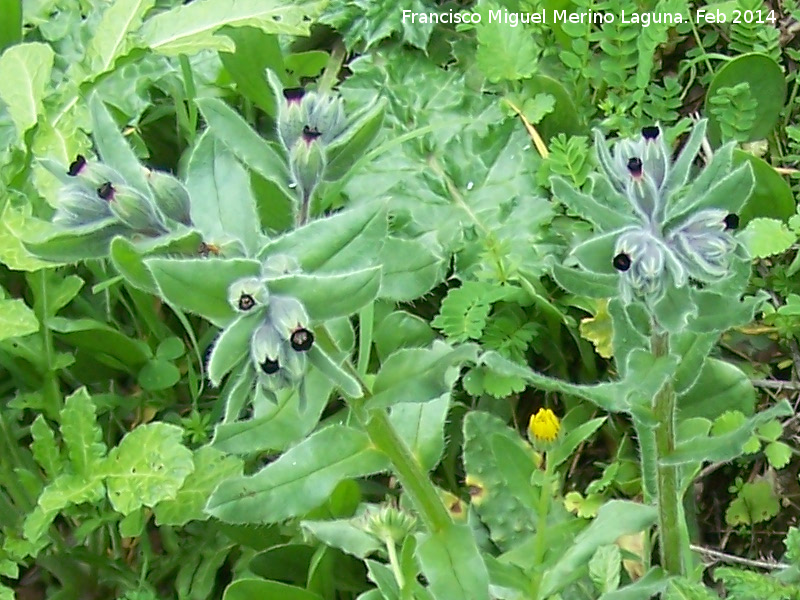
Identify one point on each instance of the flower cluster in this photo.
(279, 344)
(95, 193)
(662, 235)
(308, 122)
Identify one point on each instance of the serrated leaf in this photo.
(210, 468)
(44, 448)
(604, 568)
(778, 454)
(16, 319)
(504, 53)
(465, 310)
(111, 35)
(82, 435)
(599, 330)
(26, 70)
(193, 27)
(755, 503)
(765, 237)
(149, 465)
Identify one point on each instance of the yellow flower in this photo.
(544, 426)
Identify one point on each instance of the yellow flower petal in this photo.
(544, 425)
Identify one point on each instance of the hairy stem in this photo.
(670, 524)
(542, 510)
(384, 436)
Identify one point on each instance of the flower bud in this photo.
(78, 206)
(132, 208)
(171, 197)
(703, 244)
(248, 294)
(307, 161)
(655, 155)
(326, 115)
(645, 260)
(93, 173)
(289, 317)
(277, 365)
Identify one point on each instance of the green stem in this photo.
(50, 388)
(670, 520)
(414, 480)
(542, 511)
(331, 72)
(391, 549)
(365, 322)
(384, 436)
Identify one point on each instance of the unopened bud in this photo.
(288, 315)
(247, 294)
(171, 196)
(133, 209)
(79, 206)
(307, 160)
(93, 173)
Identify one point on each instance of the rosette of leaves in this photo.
(112, 196)
(661, 242)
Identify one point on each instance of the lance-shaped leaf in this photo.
(420, 374)
(114, 148)
(222, 204)
(247, 145)
(128, 257)
(82, 435)
(613, 519)
(274, 427)
(596, 253)
(713, 172)
(422, 427)
(201, 285)
(301, 479)
(452, 564)
(329, 296)
(232, 346)
(56, 244)
(681, 168)
(603, 217)
(350, 146)
(347, 240)
(729, 193)
(584, 283)
(335, 374)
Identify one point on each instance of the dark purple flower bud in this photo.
(310, 134)
(269, 366)
(294, 94)
(635, 167)
(246, 302)
(301, 339)
(650, 133)
(621, 262)
(106, 191)
(77, 165)
(731, 221)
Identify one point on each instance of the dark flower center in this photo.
(301, 340)
(294, 94)
(650, 132)
(731, 221)
(635, 166)
(246, 302)
(76, 166)
(310, 134)
(106, 191)
(621, 262)
(270, 367)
